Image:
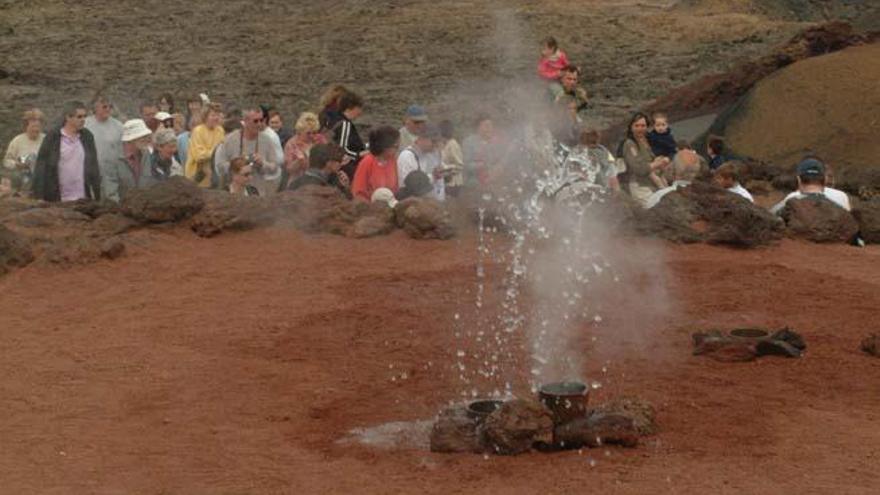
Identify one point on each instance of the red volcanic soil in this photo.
(235, 364)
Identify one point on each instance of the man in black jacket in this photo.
(67, 162)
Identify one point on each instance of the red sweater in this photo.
(548, 68)
(371, 175)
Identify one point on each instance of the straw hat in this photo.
(134, 129)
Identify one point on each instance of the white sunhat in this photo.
(384, 195)
(163, 116)
(134, 129)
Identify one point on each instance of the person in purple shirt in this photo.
(67, 162)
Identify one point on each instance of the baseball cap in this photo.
(417, 113)
(162, 116)
(810, 168)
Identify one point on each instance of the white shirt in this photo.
(739, 189)
(836, 196)
(279, 153)
(655, 198)
(410, 160)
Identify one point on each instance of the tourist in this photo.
(258, 150)
(21, 154)
(483, 153)
(204, 138)
(413, 121)
(379, 166)
(727, 177)
(240, 172)
(590, 153)
(133, 170)
(148, 115)
(552, 61)
(165, 119)
(423, 156)
(183, 138)
(166, 103)
(661, 139)
(716, 150)
(325, 161)
(417, 184)
(193, 112)
(67, 162)
(385, 196)
(643, 169)
(107, 131)
(686, 168)
(568, 86)
(566, 125)
(811, 182)
(330, 114)
(276, 122)
(451, 159)
(296, 151)
(345, 133)
(163, 160)
(269, 132)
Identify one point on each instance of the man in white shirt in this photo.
(685, 167)
(727, 177)
(811, 181)
(423, 155)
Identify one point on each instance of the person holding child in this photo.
(643, 168)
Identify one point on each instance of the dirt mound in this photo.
(719, 90)
(824, 105)
(794, 10)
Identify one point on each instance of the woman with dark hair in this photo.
(345, 134)
(166, 103)
(643, 170)
(379, 167)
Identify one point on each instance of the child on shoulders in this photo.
(552, 61)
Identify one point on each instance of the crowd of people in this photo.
(251, 151)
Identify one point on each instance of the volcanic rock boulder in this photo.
(424, 218)
(641, 412)
(223, 211)
(817, 219)
(871, 345)
(14, 250)
(598, 429)
(318, 209)
(516, 426)
(168, 201)
(863, 182)
(705, 212)
(868, 215)
(455, 431)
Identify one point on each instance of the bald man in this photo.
(685, 168)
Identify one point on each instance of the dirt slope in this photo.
(825, 105)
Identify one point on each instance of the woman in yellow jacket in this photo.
(205, 137)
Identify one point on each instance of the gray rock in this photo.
(223, 211)
(868, 215)
(600, 428)
(112, 248)
(424, 218)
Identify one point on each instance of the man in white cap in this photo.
(134, 170)
(413, 121)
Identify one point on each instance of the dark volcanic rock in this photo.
(640, 411)
(455, 431)
(112, 248)
(517, 426)
(424, 218)
(14, 250)
(169, 201)
(817, 219)
(705, 212)
(325, 210)
(224, 211)
(867, 213)
(861, 182)
(871, 345)
(600, 428)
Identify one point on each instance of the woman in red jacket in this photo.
(379, 167)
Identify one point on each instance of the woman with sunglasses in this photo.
(240, 173)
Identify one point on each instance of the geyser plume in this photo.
(563, 268)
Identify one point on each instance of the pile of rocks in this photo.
(517, 426)
(747, 344)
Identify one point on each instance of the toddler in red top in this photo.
(552, 60)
